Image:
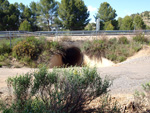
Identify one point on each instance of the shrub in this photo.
(23, 49)
(107, 105)
(53, 46)
(123, 40)
(96, 47)
(140, 38)
(112, 41)
(2, 58)
(121, 58)
(5, 48)
(21, 85)
(1, 65)
(112, 49)
(31, 47)
(25, 26)
(142, 99)
(111, 57)
(57, 91)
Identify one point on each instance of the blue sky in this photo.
(122, 7)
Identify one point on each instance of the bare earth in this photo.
(127, 76)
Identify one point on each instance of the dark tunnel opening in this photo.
(71, 56)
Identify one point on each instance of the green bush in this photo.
(53, 46)
(69, 90)
(31, 47)
(112, 41)
(96, 47)
(1, 65)
(141, 38)
(111, 57)
(5, 48)
(121, 58)
(123, 40)
(2, 58)
(25, 26)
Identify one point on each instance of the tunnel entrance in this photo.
(71, 56)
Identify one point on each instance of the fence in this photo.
(9, 34)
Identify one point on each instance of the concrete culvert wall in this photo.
(71, 56)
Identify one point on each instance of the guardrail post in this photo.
(10, 38)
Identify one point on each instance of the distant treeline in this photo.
(68, 15)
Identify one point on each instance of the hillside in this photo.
(146, 17)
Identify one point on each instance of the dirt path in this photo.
(127, 77)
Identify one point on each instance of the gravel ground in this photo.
(127, 76)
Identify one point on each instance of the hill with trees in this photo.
(146, 18)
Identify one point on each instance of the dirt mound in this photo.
(97, 62)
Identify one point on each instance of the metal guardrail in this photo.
(88, 33)
(8, 34)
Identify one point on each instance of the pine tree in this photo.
(25, 26)
(74, 14)
(47, 13)
(106, 12)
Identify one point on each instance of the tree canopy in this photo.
(106, 12)
(9, 16)
(90, 26)
(67, 15)
(108, 26)
(47, 12)
(25, 26)
(127, 23)
(138, 23)
(73, 14)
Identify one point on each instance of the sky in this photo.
(122, 7)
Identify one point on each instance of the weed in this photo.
(2, 58)
(112, 57)
(141, 38)
(112, 41)
(57, 91)
(108, 105)
(121, 58)
(142, 99)
(5, 48)
(96, 47)
(123, 40)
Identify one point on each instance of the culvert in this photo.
(71, 56)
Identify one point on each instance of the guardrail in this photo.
(88, 33)
(8, 34)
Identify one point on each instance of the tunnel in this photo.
(71, 56)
